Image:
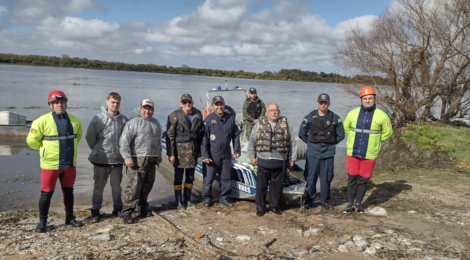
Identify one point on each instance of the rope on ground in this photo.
(191, 241)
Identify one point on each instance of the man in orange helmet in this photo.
(367, 127)
(56, 136)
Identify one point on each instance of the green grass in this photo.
(454, 140)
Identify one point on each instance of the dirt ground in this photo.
(424, 222)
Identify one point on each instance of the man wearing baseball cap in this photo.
(183, 146)
(253, 108)
(140, 146)
(322, 130)
(220, 129)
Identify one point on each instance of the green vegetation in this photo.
(67, 61)
(454, 140)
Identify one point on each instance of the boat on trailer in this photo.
(243, 173)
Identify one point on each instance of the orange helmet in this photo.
(54, 95)
(367, 90)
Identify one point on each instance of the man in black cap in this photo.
(322, 130)
(220, 129)
(253, 108)
(183, 145)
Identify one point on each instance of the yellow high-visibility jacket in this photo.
(366, 131)
(44, 136)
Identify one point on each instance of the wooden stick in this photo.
(270, 242)
(190, 240)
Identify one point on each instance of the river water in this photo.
(24, 90)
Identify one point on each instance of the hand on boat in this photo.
(171, 159)
(129, 162)
(254, 161)
(207, 160)
(237, 155)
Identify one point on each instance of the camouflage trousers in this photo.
(140, 179)
(249, 127)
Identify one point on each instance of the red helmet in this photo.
(367, 90)
(54, 95)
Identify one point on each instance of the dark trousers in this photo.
(222, 167)
(323, 169)
(180, 172)
(273, 177)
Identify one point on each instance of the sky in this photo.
(249, 35)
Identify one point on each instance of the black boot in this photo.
(117, 212)
(70, 220)
(187, 196)
(179, 199)
(95, 216)
(44, 203)
(352, 188)
(41, 225)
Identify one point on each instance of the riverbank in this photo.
(428, 216)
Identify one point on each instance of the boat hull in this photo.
(14, 130)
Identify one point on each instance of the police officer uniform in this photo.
(321, 133)
(219, 132)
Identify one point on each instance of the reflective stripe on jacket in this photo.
(44, 136)
(366, 130)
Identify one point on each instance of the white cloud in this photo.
(3, 11)
(77, 6)
(223, 34)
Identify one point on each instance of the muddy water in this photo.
(24, 89)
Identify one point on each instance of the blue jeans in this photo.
(316, 168)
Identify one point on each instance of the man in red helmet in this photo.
(367, 127)
(56, 136)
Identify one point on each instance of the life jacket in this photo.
(265, 141)
(186, 130)
(322, 131)
(254, 108)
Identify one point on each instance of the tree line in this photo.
(283, 74)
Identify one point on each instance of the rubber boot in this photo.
(352, 188)
(41, 225)
(187, 195)
(68, 203)
(44, 204)
(179, 198)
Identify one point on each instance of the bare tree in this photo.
(422, 49)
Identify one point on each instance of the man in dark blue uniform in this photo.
(220, 129)
(322, 130)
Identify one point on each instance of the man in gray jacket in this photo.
(140, 146)
(102, 137)
(271, 146)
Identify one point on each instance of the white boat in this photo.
(12, 124)
(243, 172)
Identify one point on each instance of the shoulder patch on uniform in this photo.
(33, 131)
(339, 120)
(314, 116)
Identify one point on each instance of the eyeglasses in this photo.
(186, 102)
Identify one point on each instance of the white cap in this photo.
(147, 102)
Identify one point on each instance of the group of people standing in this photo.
(115, 141)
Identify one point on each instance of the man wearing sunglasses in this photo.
(253, 108)
(322, 130)
(183, 146)
(56, 136)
